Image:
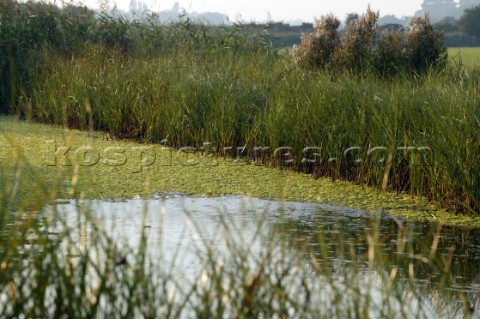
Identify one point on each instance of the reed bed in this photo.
(188, 84)
(261, 100)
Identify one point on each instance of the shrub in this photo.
(389, 56)
(317, 48)
(425, 47)
(362, 47)
(355, 51)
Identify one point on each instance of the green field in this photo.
(469, 57)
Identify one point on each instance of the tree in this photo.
(447, 24)
(470, 22)
(438, 9)
(468, 4)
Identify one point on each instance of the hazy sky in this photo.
(305, 10)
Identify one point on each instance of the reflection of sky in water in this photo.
(182, 222)
(179, 228)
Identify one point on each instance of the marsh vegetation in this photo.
(190, 84)
(378, 139)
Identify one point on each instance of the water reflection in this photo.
(441, 262)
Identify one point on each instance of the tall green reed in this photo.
(258, 99)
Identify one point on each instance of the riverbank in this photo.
(96, 167)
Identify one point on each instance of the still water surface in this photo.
(445, 260)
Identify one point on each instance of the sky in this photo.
(282, 10)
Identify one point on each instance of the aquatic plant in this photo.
(56, 262)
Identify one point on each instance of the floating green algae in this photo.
(96, 167)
